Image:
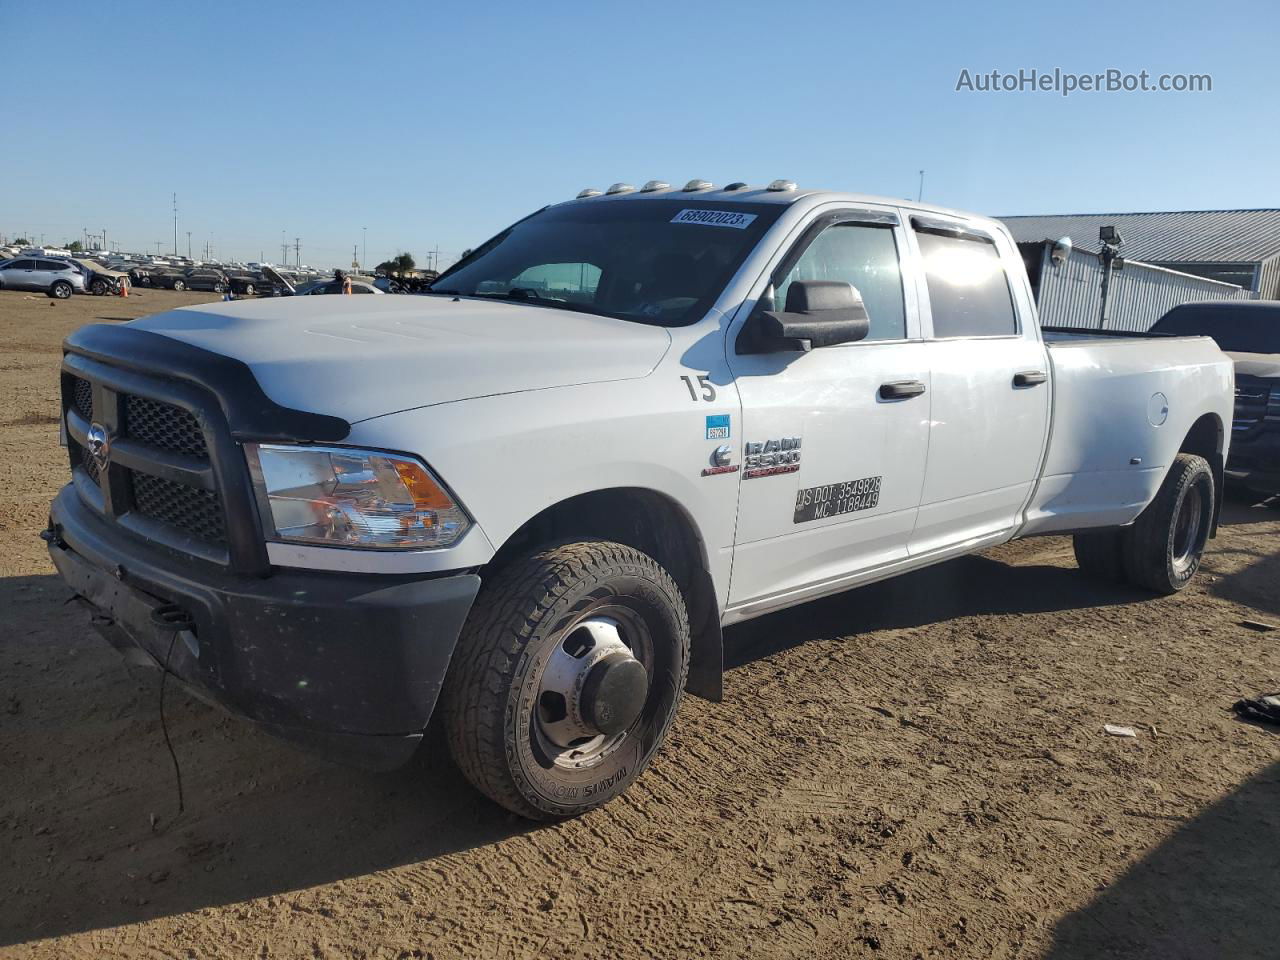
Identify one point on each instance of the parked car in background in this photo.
(100, 280)
(144, 274)
(248, 283)
(58, 278)
(195, 278)
(320, 287)
(1247, 331)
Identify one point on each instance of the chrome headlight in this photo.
(352, 498)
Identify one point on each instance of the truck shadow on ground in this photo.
(1257, 583)
(1208, 891)
(84, 769)
(969, 586)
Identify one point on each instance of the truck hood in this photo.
(1256, 364)
(358, 357)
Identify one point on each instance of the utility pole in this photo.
(284, 250)
(86, 237)
(104, 239)
(159, 243)
(188, 244)
(364, 247)
(175, 224)
(920, 191)
(297, 252)
(355, 264)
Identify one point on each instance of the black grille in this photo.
(197, 512)
(82, 397)
(1252, 397)
(134, 493)
(85, 459)
(163, 425)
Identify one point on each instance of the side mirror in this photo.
(819, 313)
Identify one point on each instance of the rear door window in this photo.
(969, 293)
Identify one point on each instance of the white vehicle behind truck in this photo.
(529, 501)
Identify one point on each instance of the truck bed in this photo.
(1123, 405)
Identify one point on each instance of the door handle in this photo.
(1029, 378)
(901, 390)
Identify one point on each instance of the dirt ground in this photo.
(916, 769)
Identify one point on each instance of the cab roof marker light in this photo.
(655, 185)
(589, 192)
(736, 185)
(620, 188)
(781, 186)
(695, 185)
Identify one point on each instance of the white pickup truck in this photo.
(626, 421)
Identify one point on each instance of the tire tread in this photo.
(492, 646)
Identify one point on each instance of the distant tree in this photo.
(397, 266)
(75, 246)
(466, 253)
(22, 242)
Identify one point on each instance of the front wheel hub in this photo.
(614, 693)
(591, 691)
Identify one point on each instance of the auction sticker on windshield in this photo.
(715, 218)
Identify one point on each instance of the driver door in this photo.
(834, 459)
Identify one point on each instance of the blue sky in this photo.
(437, 124)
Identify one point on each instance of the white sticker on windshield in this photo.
(715, 218)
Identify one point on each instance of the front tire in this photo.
(179, 285)
(1164, 547)
(566, 677)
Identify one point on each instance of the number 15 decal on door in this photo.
(708, 391)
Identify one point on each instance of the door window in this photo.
(53, 266)
(968, 290)
(865, 256)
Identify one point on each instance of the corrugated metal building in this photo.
(1069, 292)
(1234, 246)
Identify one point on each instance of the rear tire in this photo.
(1164, 547)
(540, 619)
(179, 285)
(1099, 554)
(61, 290)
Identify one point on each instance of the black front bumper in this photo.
(1254, 460)
(349, 665)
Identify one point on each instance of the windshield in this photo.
(653, 261)
(1237, 329)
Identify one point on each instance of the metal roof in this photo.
(1206, 236)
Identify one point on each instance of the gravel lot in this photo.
(916, 769)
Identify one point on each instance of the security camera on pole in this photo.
(1110, 257)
